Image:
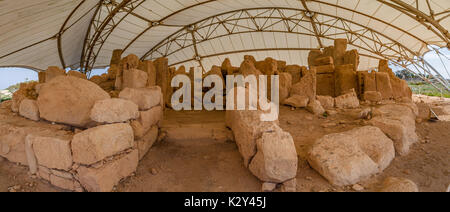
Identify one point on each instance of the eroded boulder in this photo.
(397, 122)
(69, 100)
(348, 157)
(276, 158)
(297, 101)
(393, 184)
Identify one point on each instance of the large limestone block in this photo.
(285, 86)
(96, 144)
(369, 80)
(276, 158)
(149, 67)
(29, 109)
(295, 71)
(248, 68)
(306, 86)
(325, 69)
(69, 100)
(384, 85)
(52, 152)
(347, 101)
(346, 158)
(116, 57)
(104, 179)
(53, 72)
(12, 139)
(151, 117)
(326, 84)
(352, 57)
(76, 74)
(147, 141)
(312, 56)
(397, 122)
(340, 48)
(129, 62)
(134, 78)
(163, 77)
(247, 128)
(394, 184)
(268, 67)
(315, 107)
(114, 111)
(372, 96)
(145, 98)
(346, 79)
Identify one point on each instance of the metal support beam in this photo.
(103, 28)
(311, 17)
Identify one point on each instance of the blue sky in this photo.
(11, 76)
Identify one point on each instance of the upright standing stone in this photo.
(162, 76)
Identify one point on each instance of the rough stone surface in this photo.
(347, 101)
(53, 72)
(285, 86)
(324, 69)
(103, 179)
(247, 128)
(151, 117)
(384, 85)
(346, 79)
(289, 186)
(397, 122)
(393, 184)
(268, 187)
(29, 109)
(373, 96)
(327, 102)
(346, 158)
(145, 98)
(134, 78)
(54, 153)
(95, 144)
(315, 107)
(295, 71)
(276, 158)
(297, 101)
(147, 141)
(65, 183)
(306, 86)
(69, 100)
(76, 74)
(114, 111)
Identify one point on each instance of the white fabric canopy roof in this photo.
(41, 33)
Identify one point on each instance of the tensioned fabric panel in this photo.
(27, 22)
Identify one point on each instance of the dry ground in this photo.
(217, 166)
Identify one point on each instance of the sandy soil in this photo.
(217, 166)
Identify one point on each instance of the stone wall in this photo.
(112, 120)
